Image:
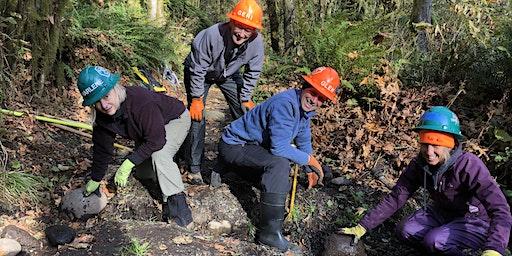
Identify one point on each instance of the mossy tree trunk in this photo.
(274, 25)
(289, 24)
(41, 25)
(422, 13)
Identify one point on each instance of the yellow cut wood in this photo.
(50, 120)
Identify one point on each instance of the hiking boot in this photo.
(176, 209)
(271, 223)
(215, 179)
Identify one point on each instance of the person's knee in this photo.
(279, 166)
(435, 241)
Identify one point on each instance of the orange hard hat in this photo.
(247, 12)
(325, 80)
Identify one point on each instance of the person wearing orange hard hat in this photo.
(259, 142)
(217, 55)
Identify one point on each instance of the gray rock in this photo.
(20, 235)
(340, 245)
(340, 181)
(216, 204)
(59, 234)
(9, 247)
(82, 207)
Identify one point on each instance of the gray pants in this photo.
(161, 162)
(230, 88)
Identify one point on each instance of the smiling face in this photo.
(109, 104)
(241, 32)
(433, 154)
(311, 99)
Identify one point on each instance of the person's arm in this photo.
(280, 124)
(481, 182)
(406, 185)
(200, 60)
(150, 121)
(102, 151)
(252, 69)
(303, 138)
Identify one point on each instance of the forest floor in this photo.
(63, 158)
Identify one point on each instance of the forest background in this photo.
(396, 58)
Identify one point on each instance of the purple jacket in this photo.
(465, 188)
(141, 117)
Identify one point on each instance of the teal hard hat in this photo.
(440, 118)
(94, 82)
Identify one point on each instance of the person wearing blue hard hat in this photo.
(467, 210)
(156, 122)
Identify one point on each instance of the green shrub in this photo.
(124, 35)
(469, 44)
(345, 45)
(20, 189)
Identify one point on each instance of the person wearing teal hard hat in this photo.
(156, 122)
(467, 211)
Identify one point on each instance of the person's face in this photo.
(109, 104)
(241, 32)
(311, 99)
(433, 154)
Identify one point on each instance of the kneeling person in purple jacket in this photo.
(156, 122)
(468, 210)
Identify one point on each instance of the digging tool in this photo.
(294, 190)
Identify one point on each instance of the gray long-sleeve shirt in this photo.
(207, 60)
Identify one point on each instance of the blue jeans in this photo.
(194, 144)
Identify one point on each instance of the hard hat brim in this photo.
(245, 21)
(321, 89)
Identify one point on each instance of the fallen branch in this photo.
(75, 131)
(50, 120)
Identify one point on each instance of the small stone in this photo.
(226, 227)
(9, 247)
(340, 245)
(59, 235)
(20, 235)
(340, 181)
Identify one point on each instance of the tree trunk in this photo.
(422, 12)
(288, 24)
(274, 25)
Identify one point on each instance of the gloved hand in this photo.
(123, 173)
(90, 187)
(317, 168)
(490, 253)
(357, 231)
(248, 105)
(312, 179)
(196, 109)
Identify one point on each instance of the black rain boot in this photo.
(177, 209)
(271, 222)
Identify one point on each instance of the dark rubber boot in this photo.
(177, 209)
(271, 221)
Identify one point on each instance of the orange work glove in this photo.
(317, 168)
(196, 109)
(312, 179)
(248, 105)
